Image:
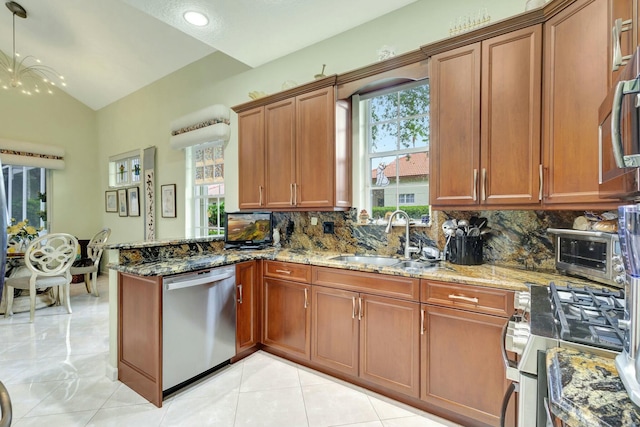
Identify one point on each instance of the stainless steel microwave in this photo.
(619, 135)
(593, 255)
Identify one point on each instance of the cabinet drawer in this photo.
(288, 271)
(372, 283)
(475, 298)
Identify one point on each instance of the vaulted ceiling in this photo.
(107, 49)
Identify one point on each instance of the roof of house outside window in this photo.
(410, 165)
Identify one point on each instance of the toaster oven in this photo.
(593, 255)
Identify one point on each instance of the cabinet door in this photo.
(280, 153)
(140, 335)
(455, 126)
(247, 323)
(334, 337)
(510, 122)
(576, 72)
(251, 154)
(315, 149)
(287, 317)
(389, 343)
(461, 367)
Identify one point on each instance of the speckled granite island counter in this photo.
(585, 390)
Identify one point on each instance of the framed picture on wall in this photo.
(111, 201)
(122, 202)
(168, 200)
(133, 198)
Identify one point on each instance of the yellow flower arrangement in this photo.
(21, 233)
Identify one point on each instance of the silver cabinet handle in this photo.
(484, 184)
(260, 192)
(422, 321)
(306, 297)
(619, 27)
(295, 194)
(291, 194)
(467, 299)
(353, 307)
(240, 293)
(475, 185)
(283, 271)
(541, 182)
(360, 313)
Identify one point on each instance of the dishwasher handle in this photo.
(188, 281)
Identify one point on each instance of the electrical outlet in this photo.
(314, 220)
(327, 227)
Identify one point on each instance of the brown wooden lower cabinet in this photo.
(247, 306)
(287, 317)
(461, 363)
(390, 343)
(140, 335)
(367, 336)
(335, 329)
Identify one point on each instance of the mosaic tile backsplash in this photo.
(518, 239)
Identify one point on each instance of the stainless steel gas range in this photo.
(563, 314)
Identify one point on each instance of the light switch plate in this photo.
(314, 220)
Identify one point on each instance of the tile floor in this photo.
(54, 370)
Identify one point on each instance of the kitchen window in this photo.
(205, 175)
(395, 139)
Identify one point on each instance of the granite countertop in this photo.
(585, 390)
(486, 275)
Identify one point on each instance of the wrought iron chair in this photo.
(48, 259)
(90, 265)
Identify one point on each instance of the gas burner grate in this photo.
(588, 316)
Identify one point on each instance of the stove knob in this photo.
(522, 300)
(620, 280)
(618, 268)
(624, 324)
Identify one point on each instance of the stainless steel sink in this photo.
(366, 259)
(413, 266)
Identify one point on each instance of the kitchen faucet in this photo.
(408, 249)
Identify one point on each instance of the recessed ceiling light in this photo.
(196, 18)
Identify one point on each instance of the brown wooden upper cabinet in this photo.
(485, 122)
(576, 75)
(295, 153)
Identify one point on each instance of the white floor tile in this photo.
(261, 372)
(143, 415)
(124, 396)
(347, 406)
(79, 393)
(282, 407)
(71, 419)
(202, 411)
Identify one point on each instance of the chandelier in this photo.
(25, 73)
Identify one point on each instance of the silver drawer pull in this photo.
(460, 297)
(283, 271)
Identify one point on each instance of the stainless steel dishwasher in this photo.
(198, 325)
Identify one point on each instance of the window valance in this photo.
(207, 125)
(22, 153)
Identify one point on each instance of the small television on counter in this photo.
(248, 230)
